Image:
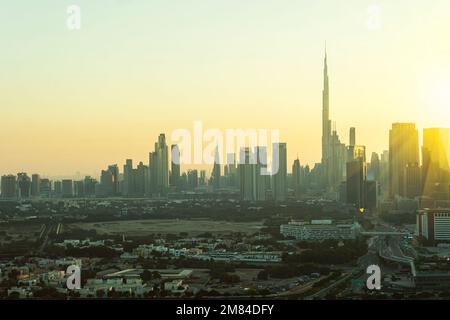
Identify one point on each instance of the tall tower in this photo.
(326, 123)
(175, 166)
(279, 167)
(352, 137)
(403, 152)
(159, 167)
(436, 162)
(216, 172)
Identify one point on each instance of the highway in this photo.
(371, 257)
(44, 238)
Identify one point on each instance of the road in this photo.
(371, 257)
(44, 238)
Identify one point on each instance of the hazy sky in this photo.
(80, 100)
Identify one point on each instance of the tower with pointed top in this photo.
(216, 172)
(326, 123)
(333, 151)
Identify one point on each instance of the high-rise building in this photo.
(128, 181)
(403, 150)
(159, 167)
(262, 177)
(114, 170)
(434, 225)
(35, 185)
(279, 167)
(356, 179)
(109, 182)
(23, 185)
(296, 178)
(374, 171)
(8, 187)
(435, 163)
(175, 166)
(202, 179)
(192, 179)
(371, 194)
(67, 188)
(141, 180)
(45, 188)
(246, 167)
(326, 124)
(231, 172)
(384, 174)
(333, 151)
(78, 188)
(216, 171)
(352, 136)
(89, 186)
(412, 182)
(57, 189)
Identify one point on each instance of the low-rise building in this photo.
(319, 230)
(434, 224)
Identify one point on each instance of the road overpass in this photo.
(385, 233)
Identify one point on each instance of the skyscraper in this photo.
(114, 169)
(159, 167)
(356, 178)
(175, 166)
(109, 182)
(141, 180)
(78, 188)
(412, 180)
(374, 167)
(261, 173)
(333, 151)
(89, 186)
(57, 189)
(246, 168)
(326, 123)
(67, 188)
(216, 172)
(279, 161)
(352, 135)
(435, 162)
(45, 188)
(35, 184)
(384, 173)
(403, 151)
(128, 181)
(23, 185)
(8, 187)
(230, 171)
(296, 178)
(192, 179)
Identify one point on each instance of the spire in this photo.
(325, 68)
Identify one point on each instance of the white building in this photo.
(434, 224)
(319, 230)
(175, 286)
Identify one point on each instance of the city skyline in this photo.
(334, 152)
(91, 103)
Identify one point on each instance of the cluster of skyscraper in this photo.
(343, 174)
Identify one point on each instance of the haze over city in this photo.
(77, 101)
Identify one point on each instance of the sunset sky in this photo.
(76, 101)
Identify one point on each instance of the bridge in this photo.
(386, 233)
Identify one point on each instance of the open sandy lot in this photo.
(174, 226)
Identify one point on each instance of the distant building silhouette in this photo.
(403, 151)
